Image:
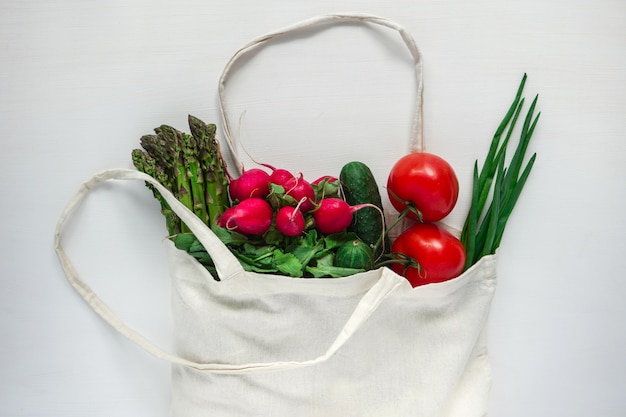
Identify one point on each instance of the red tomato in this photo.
(426, 180)
(439, 253)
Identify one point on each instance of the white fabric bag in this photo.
(266, 345)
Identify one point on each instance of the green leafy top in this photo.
(310, 255)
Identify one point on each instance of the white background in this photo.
(81, 81)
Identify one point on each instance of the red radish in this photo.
(300, 189)
(328, 178)
(224, 220)
(232, 189)
(326, 186)
(252, 216)
(334, 215)
(280, 176)
(290, 221)
(252, 183)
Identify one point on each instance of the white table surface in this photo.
(80, 82)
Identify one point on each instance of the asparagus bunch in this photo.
(190, 166)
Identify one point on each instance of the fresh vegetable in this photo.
(438, 255)
(308, 255)
(334, 215)
(498, 184)
(264, 223)
(251, 216)
(302, 191)
(359, 187)
(281, 223)
(293, 244)
(326, 186)
(425, 181)
(190, 166)
(325, 178)
(355, 254)
(280, 176)
(290, 221)
(252, 183)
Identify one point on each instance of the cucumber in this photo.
(359, 187)
(354, 254)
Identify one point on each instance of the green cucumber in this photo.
(359, 187)
(355, 254)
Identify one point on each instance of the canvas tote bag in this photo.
(266, 345)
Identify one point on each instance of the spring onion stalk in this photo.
(496, 186)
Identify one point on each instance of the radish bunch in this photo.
(285, 202)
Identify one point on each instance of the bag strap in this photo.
(226, 263)
(416, 143)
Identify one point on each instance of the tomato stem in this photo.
(382, 237)
(410, 206)
(401, 258)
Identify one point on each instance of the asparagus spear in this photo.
(174, 147)
(190, 166)
(147, 164)
(213, 167)
(195, 175)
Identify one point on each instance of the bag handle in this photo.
(384, 286)
(416, 143)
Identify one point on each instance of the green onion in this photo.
(497, 187)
